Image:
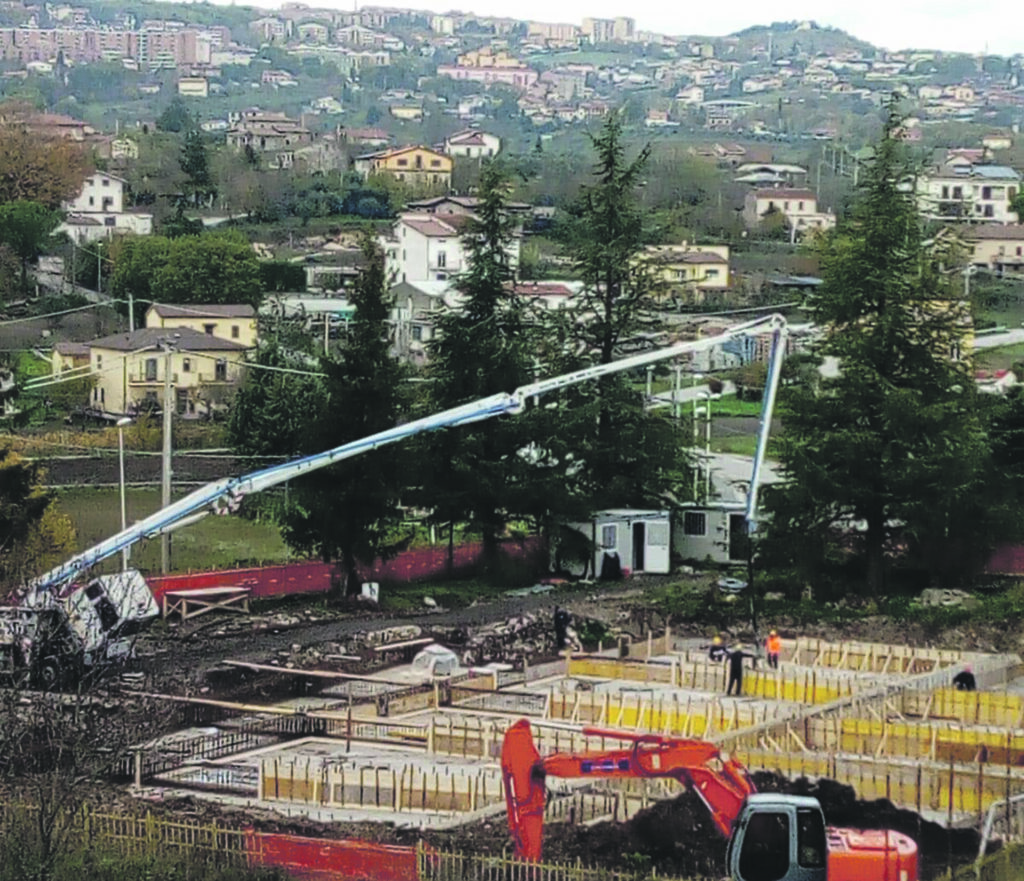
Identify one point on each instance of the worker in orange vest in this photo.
(773, 647)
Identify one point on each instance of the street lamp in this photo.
(121, 423)
(702, 407)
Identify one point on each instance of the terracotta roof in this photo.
(431, 226)
(205, 310)
(473, 139)
(784, 193)
(185, 338)
(995, 231)
(69, 348)
(543, 289)
(698, 257)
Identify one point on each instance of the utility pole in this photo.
(165, 484)
(99, 270)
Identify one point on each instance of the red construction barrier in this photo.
(320, 859)
(289, 579)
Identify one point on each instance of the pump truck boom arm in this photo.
(226, 494)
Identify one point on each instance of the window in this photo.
(435, 163)
(958, 192)
(209, 328)
(785, 206)
(235, 332)
(695, 523)
(103, 396)
(402, 163)
(990, 211)
(186, 365)
(657, 535)
(106, 181)
(801, 206)
(765, 853)
(92, 201)
(151, 370)
(711, 273)
(442, 258)
(986, 192)
(99, 362)
(945, 192)
(609, 538)
(810, 839)
(220, 370)
(417, 332)
(109, 221)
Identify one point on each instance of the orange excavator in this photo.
(772, 837)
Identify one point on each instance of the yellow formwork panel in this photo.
(932, 786)
(975, 707)
(802, 686)
(935, 741)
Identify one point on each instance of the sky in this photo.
(973, 26)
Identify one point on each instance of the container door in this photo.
(657, 551)
(639, 544)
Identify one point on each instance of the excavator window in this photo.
(765, 853)
(810, 839)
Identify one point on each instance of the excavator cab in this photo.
(779, 838)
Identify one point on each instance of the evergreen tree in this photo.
(482, 348)
(349, 511)
(195, 164)
(25, 227)
(894, 443)
(632, 456)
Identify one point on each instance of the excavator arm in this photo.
(722, 784)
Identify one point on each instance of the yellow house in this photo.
(690, 271)
(413, 165)
(130, 368)
(235, 322)
(69, 356)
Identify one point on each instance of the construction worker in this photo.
(773, 647)
(717, 650)
(964, 680)
(736, 656)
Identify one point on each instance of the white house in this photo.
(798, 206)
(98, 211)
(427, 247)
(966, 192)
(472, 144)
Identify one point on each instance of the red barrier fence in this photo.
(300, 578)
(318, 859)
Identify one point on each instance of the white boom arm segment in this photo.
(225, 494)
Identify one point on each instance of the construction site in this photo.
(388, 737)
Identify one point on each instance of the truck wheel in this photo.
(49, 674)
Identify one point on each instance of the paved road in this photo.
(997, 340)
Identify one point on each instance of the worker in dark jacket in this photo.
(717, 650)
(736, 656)
(964, 680)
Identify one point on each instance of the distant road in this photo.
(997, 340)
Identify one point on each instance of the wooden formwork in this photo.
(974, 707)
(949, 789)
(667, 715)
(410, 787)
(808, 686)
(868, 657)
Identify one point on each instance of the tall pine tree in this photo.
(477, 473)
(349, 512)
(892, 448)
(625, 454)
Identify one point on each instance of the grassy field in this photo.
(1002, 358)
(212, 543)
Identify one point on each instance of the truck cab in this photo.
(779, 838)
(784, 838)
